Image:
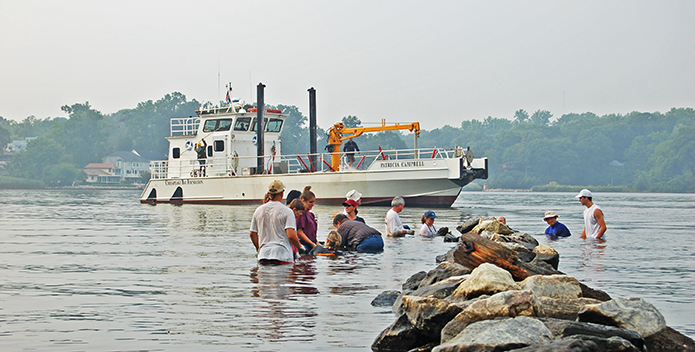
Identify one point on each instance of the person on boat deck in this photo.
(594, 223)
(332, 245)
(350, 148)
(555, 229)
(200, 149)
(306, 224)
(351, 210)
(273, 229)
(394, 226)
(428, 229)
(358, 236)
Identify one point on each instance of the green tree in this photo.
(4, 137)
(84, 135)
(541, 117)
(62, 174)
(351, 121)
(40, 154)
(521, 116)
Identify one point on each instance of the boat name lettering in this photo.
(402, 164)
(183, 182)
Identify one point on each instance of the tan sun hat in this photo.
(549, 214)
(276, 187)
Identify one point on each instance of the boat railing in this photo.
(288, 164)
(183, 126)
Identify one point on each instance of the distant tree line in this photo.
(637, 151)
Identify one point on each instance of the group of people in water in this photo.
(282, 232)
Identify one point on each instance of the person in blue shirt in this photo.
(556, 228)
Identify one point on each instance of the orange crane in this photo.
(336, 138)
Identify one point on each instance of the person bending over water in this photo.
(358, 236)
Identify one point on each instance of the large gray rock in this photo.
(553, 286)
(485, 279)
(492, 225)
(400, 336)
(669, 340)
(468, 225)
(629, 313)
(564, 308)
(385, 298)
(503, 304)
(566, 328)
(442, 271)
(498, 335)
(429, 315)
(448, 256)
(547, 254)
(581, 343)
(441, 289)
(413, 282)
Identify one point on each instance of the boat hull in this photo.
(424, 187)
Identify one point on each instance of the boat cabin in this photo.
(229, 137)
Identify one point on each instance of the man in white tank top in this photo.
(594, 224)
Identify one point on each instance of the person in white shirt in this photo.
(594, 223)
(273, 229)
(428, 229)
(394, 226)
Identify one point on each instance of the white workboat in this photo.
(424, 177)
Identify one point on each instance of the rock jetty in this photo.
(499, 290)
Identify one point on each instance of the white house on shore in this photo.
(118, 167)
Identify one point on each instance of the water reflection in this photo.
(592, 255)
(285, 310)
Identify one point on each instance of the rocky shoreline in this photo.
(499, 290)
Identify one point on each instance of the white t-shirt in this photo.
(270, 221)
(393, 222)
(426, 231)
(591, 225)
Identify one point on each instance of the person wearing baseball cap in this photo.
(555, 229)
(354, 195)
(351, 210)
(594, 223)
(428, 229)
(273, 229)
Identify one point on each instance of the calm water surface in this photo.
(96, 270)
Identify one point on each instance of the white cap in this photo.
(583, 193)
(354, 195)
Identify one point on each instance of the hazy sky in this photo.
(437, 62)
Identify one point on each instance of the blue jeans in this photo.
(371, 244)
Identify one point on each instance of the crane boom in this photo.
(336, 138)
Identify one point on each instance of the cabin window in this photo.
(210, 125)
(176, 153)
(242, 124)
(224, 124)
(209, 151)
(253, 124)
(274, 125)
(219, 146)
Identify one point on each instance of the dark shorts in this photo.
(350, 158)
(371, 244)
